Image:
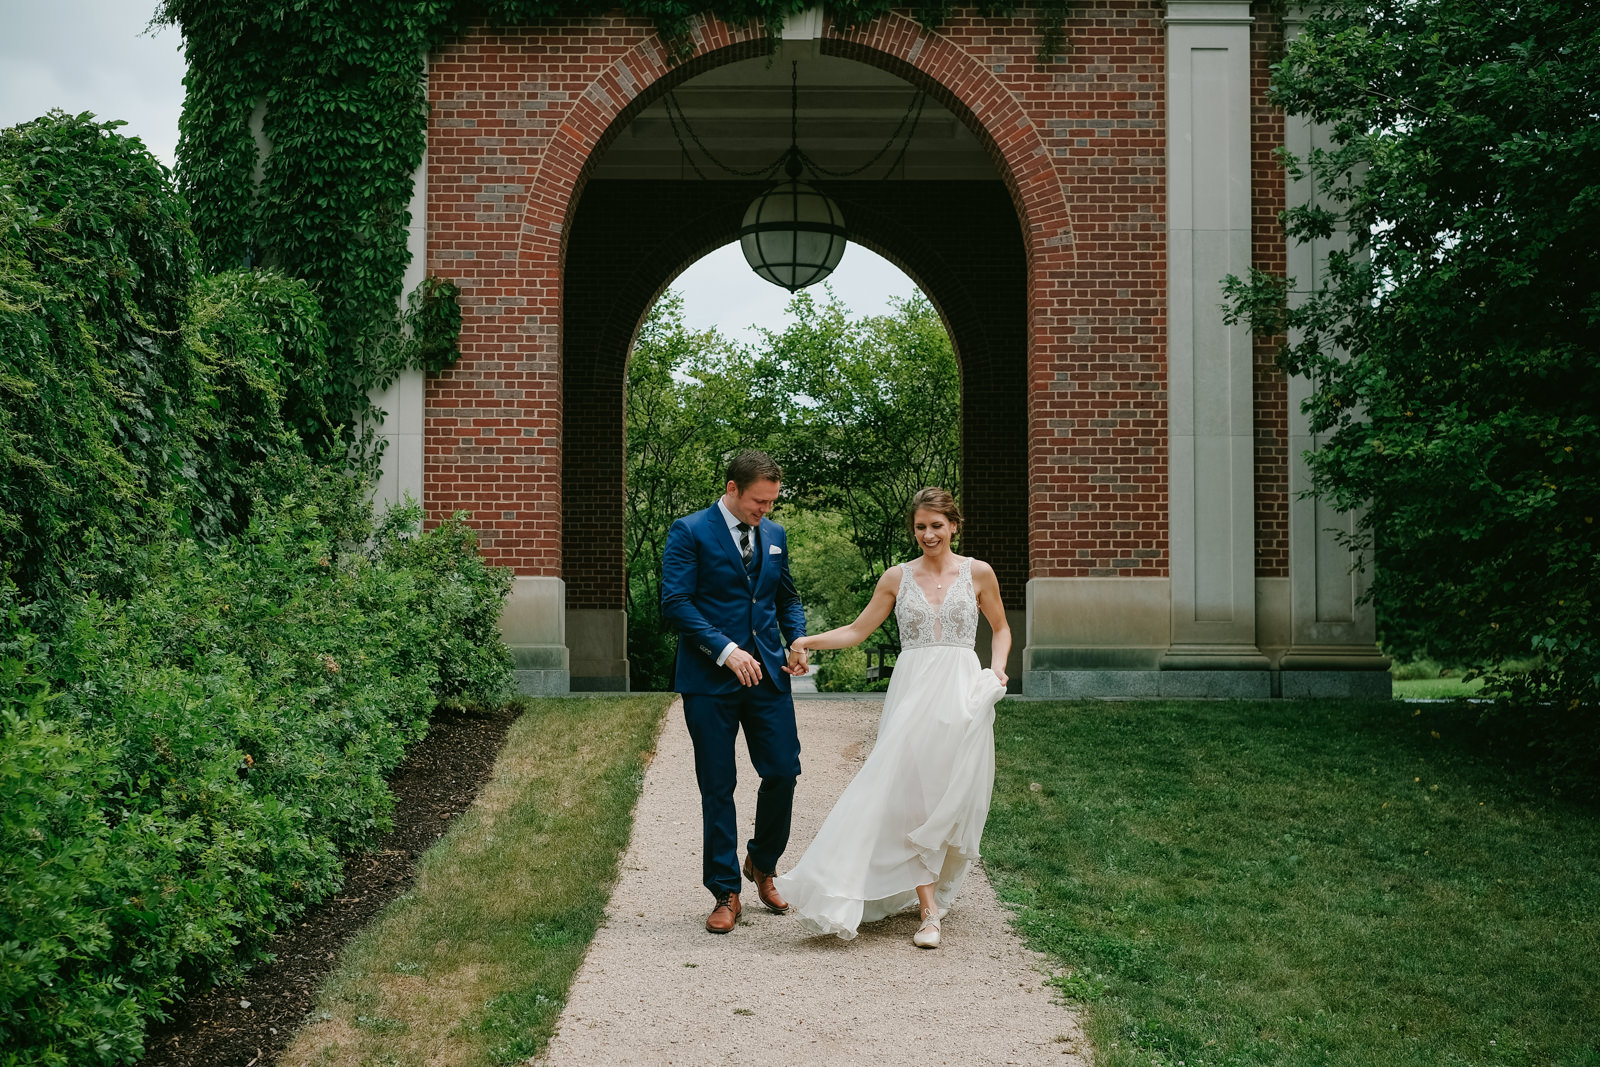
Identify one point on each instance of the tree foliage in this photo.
(1455, 345)
(860, 411)
(694, 399)
(875, 415)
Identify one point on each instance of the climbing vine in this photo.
(336, 93)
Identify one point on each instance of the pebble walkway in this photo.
(657, 989)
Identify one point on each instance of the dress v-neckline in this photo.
(924, 593)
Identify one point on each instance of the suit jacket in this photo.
(707, 596)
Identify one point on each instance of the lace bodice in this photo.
(953, 622)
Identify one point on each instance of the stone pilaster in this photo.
(1212, 525)
(1332, 648)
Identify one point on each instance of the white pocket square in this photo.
(774, 550)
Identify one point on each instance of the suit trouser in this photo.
(714, 720)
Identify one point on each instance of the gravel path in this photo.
(657, 989)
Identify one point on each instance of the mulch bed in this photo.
(438, 781)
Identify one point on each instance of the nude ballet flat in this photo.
(927, 935)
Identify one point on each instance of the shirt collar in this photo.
(727, 516)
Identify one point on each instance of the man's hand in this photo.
(798, 663)
(745, 666)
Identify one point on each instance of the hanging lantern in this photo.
(792, 234)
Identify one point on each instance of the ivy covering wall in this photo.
(339, 92)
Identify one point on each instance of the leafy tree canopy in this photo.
(861, 411)
(1454, 345)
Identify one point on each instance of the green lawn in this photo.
(1284, 883)
(471, 967)
(1435, 688)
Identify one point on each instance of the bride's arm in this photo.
(870, 619)
(987, 586)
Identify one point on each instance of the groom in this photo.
(725, 587)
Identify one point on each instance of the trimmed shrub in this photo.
(181, 772)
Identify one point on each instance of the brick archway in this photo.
(989, 330)
(1138, 171)
(630, 238)
(501, 430)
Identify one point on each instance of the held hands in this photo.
(798, 662)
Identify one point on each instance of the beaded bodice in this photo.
(954, 621)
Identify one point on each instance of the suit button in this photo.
(752, 600)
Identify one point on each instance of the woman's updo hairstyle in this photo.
(936, 500)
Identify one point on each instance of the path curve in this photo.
(657, 989)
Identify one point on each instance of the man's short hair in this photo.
(750, 467)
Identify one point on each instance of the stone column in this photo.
(400, 474)
(1211, 474)
(1333, 650)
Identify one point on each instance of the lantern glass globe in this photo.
(793, 235)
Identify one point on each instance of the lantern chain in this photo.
(673, 105)
(676, 117)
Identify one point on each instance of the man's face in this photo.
(752, 505)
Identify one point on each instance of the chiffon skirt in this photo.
(915, 812)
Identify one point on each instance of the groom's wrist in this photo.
(726, 652)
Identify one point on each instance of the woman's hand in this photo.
(1000, 673)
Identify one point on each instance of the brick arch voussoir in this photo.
(637, 79)
(892, 42)
(951, 75)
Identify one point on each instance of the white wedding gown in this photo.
(915, 812)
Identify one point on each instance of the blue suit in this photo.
(710, 598)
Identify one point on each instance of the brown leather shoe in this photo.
(766, 891)
(725, 916)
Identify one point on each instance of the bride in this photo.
(906, 830)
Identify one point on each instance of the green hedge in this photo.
(209, 658)
(180, 772)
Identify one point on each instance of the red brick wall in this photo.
(1267, 253)
(519, 114)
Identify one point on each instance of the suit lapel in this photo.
(720, 532)
(763, 551)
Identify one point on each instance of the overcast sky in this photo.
(98, 55)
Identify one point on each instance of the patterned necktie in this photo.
(745, 548)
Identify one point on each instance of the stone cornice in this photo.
(1209, 12)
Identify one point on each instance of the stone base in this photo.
(1207, 684)
(533, 626)
(552, 683)
(598, 642)
(1149, 685)
(599, 683)
(1345, 685)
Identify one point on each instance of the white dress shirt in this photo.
(733, 522)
